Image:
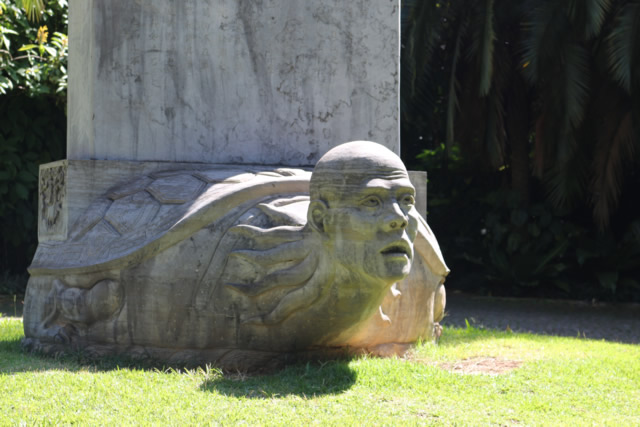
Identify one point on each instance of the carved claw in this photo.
(287, 278)
(63, 334)
(293, 251)
(280, 214)
(295, 300)
(61, 337)
(255, 320)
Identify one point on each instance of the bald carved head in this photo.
(350, 164)
(363, 204)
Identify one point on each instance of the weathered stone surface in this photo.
(246, 270)
(275, 82)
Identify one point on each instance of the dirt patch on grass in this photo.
(482, 365)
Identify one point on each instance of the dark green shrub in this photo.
(497, 245)
(34, 133)
(525, 247)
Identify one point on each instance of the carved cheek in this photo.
(353, 224)
(412, 229)
(368, 227)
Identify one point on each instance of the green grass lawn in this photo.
(552, 381)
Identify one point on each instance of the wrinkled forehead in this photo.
(356, 165)
(398, 181)
(340, 184)
(384, 178)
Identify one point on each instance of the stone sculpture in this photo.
(241, 267)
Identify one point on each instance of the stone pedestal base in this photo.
(237, 265)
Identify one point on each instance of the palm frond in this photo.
(33, 8)
(422, 22)
(615, 148)
(482, 44)
(567, 181)
(564, 97)
(595, 12)
(587, 16)
(624, 47)
(452, 98)
(560, 161)
(575, 64)
(422, 30)
(544, 25)
(495, 132)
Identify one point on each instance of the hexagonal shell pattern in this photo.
(176, 189)
(129, 188)
(132, 212)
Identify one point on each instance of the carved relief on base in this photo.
(51, 200)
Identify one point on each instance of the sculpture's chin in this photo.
(395, 267)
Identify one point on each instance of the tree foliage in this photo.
(544, 88)
(33, 57)
(528, 112)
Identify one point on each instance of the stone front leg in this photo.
(67, 310)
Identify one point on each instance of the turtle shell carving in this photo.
(160, 209)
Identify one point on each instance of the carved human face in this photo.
(372, 223)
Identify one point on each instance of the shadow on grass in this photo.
(304, 380)
(14, 359)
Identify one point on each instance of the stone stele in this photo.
(242, 267)
(276, 82)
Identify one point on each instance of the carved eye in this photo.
(408, 200)
(371, 202)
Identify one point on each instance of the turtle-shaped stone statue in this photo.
(239, 266)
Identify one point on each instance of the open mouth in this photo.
(397, 249)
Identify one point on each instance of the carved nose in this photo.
(402, 223)
(397, 219)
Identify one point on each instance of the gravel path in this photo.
(611, 322)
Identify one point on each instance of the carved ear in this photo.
(316, 214)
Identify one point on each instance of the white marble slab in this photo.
(231, 81)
